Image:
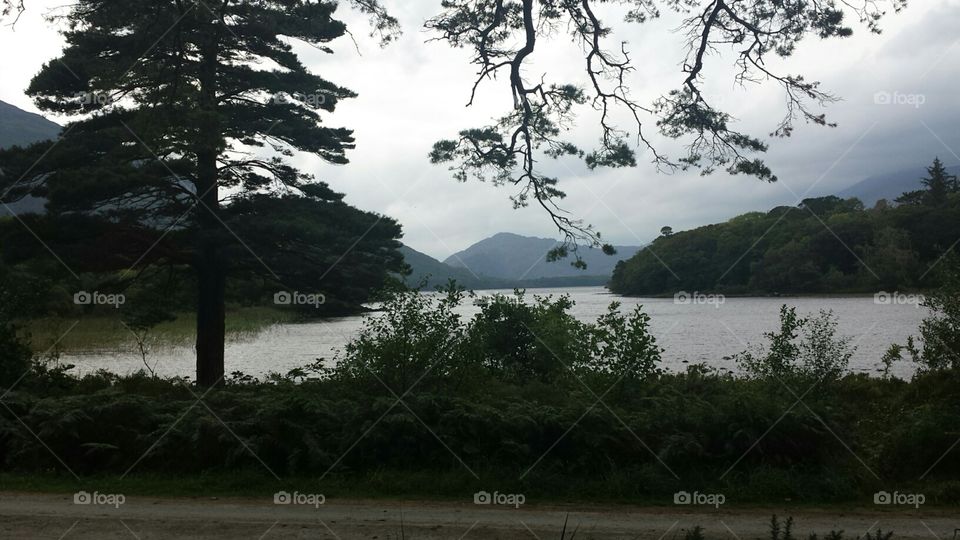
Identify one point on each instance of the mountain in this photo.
(433, 273)
(19, 127)
(514, 257)
(889, 186)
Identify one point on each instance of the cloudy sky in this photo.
(413, 93)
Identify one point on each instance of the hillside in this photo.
(824, 245)
(20, 128)
(888, 186)
(434, 273)
(514, 257)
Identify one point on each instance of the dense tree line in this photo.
(823, 245)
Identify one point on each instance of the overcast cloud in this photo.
(413, 93)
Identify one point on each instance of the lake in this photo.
(699, 330)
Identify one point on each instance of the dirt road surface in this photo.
(58, 517)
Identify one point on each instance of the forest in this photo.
(824, 245)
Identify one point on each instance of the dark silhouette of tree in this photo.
(938, 186)
(188, 113)
(504, 35)
(666, 231)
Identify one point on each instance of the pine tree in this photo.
(188, 113)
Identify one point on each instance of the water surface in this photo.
(690, 332)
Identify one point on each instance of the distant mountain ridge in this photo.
(508, 260)
(20, 128)
(889, 186)
(514, 257)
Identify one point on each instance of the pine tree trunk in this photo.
(210, 317)
(210, 265)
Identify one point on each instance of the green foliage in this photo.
(422, 339)
(623, 345)
(939, 347)
(802, 347)
(824, 245)
(186, 124)
(416, 339)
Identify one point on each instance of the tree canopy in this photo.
(504, 35)
(188, 117)
(824, 245)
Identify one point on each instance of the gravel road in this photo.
(57, 517)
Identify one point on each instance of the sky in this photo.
(414, 92)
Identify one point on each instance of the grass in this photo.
(106, 332)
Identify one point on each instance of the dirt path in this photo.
(57, 517)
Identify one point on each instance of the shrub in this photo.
(803, 347)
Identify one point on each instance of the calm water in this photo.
(690, 333)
